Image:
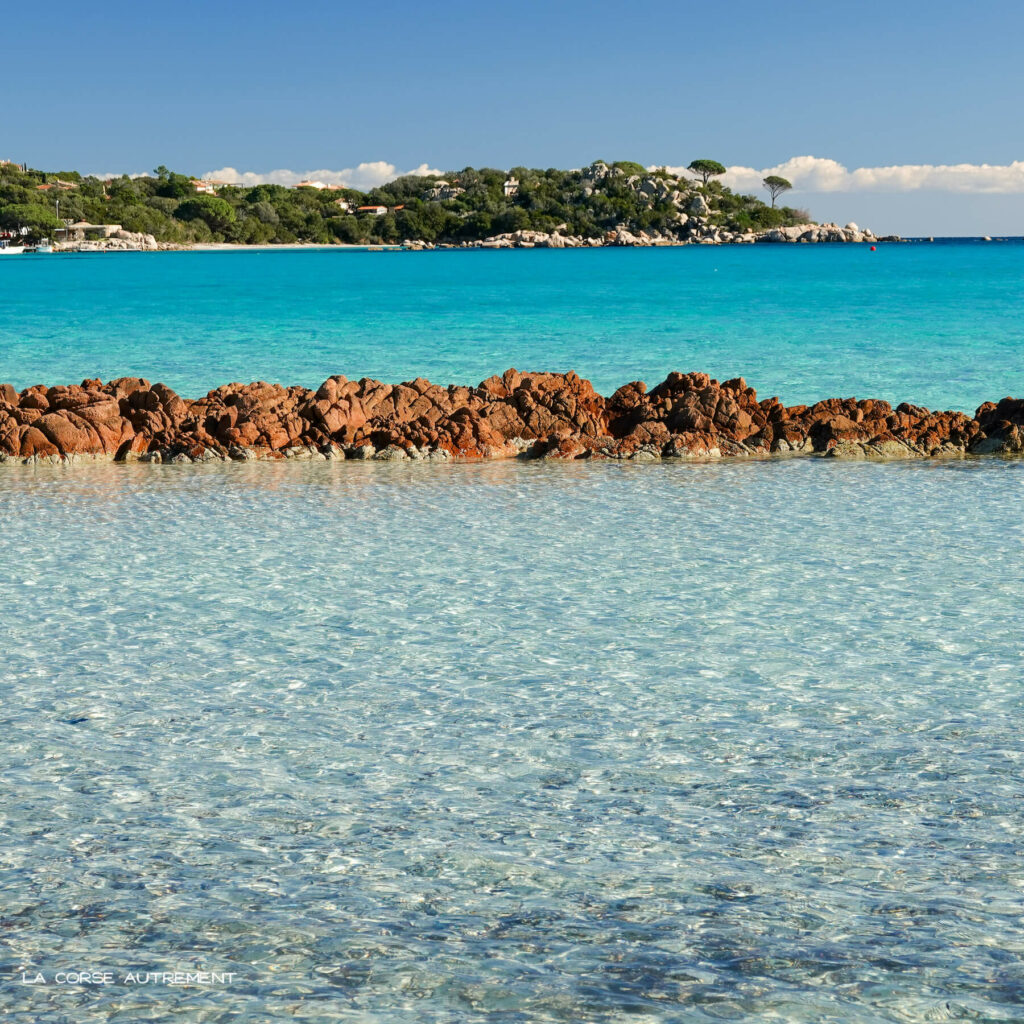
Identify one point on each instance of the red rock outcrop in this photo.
(534, 414)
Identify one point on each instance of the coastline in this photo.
(243, 247)
(515, 415)
(546, 242)
(524, 239)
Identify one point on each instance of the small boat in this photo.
(6, 249)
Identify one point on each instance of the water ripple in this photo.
(514, 742)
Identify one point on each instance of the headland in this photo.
(620, 203)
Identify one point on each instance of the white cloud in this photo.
(807, 173)
(363, 177)
(815, 174)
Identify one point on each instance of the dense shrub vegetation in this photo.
(166, 205)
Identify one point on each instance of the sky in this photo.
(889, 93)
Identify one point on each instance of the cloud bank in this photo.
(363, 177)
(816, 174)
(807, 173)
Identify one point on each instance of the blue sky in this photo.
(265, 86)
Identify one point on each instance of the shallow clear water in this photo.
(515, 742)
(938, 325)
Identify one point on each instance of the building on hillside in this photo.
(377, 211)
(208, 187)
(57, 183)
(81, 230)
(511, 187)
(442, 191)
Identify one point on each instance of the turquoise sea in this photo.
(517, 742)
(939, 325)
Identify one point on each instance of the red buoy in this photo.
(872, 248)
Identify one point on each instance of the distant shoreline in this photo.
(414, 246)
(242, 246)
(913, 239)
(229, 247)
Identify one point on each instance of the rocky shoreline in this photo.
(692, 230)
(516, 415)
(699, 231)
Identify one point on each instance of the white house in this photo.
(207, 188)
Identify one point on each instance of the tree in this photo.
(218, 213)
(171, 185)
(123, 190)
(706, 169)
(38, 219)
(164, 204)
(776, 186)
(265, 212)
